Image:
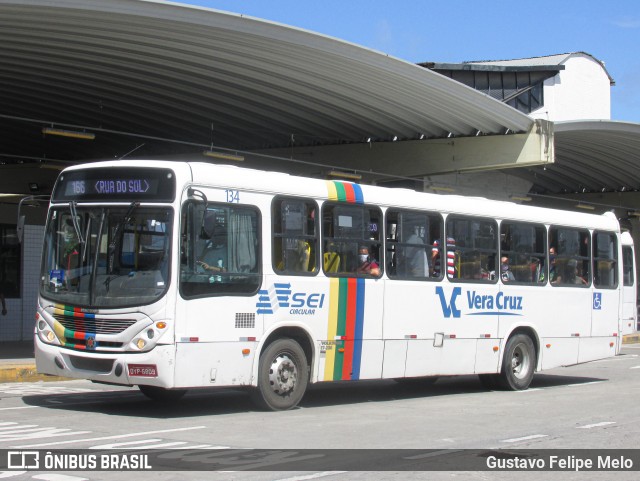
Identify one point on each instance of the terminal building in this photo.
(142, 79)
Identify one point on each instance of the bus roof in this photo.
(231, 176)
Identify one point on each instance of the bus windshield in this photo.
(115, 256)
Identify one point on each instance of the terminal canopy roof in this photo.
(151, 79)
(591, 156)
(165, 78)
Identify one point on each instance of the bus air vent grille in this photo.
(89, 364)
(245, 320)
(96, 325)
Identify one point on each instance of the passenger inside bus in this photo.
(368, 264)
(505, 272)
(214, 253)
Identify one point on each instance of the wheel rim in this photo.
(520, 361)
(283, 375)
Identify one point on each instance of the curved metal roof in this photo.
(144, 72)
(591, 156)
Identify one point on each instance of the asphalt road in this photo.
(590, 406)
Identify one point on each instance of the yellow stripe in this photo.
(59, 330)
(331, 188)
(334, 287)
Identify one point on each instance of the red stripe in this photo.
(78, 335)
(350, 329)
(349, 192)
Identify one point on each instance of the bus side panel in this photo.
(395, 358)
(423, 359)
(604, 312)
(350, 330)
(214, 364)
(408, 321)
(592, 348)
(487, 359)
(457, 356)
(559, 351)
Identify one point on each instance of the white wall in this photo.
(580, 92)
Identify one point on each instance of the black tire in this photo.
(161, 394)
(518, 364)
(283, 375)
(489, 381)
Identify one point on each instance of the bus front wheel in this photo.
(283, 375)
(519, 363)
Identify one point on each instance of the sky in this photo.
(448, 31)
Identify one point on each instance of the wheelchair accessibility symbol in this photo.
(597, 301)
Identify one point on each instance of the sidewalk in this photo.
(17, 363)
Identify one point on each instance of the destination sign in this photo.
(115, 184)
(111, 186)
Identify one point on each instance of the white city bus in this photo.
(177, 275)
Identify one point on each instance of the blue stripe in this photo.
(496, 313)
(358, 334)
(357, 190)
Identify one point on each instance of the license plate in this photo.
(143, 370)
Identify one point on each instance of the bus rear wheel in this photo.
(283, 375)
(519, 363)
(161, 394)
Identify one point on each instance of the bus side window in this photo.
(351, 240)
(605, 260)
(221, 250)
(572, 264)
(294, 230)
(474, 245)
(627, 266)
(411, 239)
(524, 247)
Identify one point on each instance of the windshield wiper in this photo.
(114, 239)
(74, 220)
(125, 221)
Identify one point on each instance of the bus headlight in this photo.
(140, 343)
(46, 334)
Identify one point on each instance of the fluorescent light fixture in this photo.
(345, 175)
(223, 156)
(521, 198)
(52, 166)
(585, 206)
(69, 133)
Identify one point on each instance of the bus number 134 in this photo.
(233, 196)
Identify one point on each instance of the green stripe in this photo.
(341, 328)
(342, 195)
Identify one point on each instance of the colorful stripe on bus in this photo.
(346, 306)
(346, 323)
(83, 330)
(345, 192)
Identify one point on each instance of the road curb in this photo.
(25, 372)
(631, 339)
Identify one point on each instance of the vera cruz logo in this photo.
(449, 309)
(479, 304)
